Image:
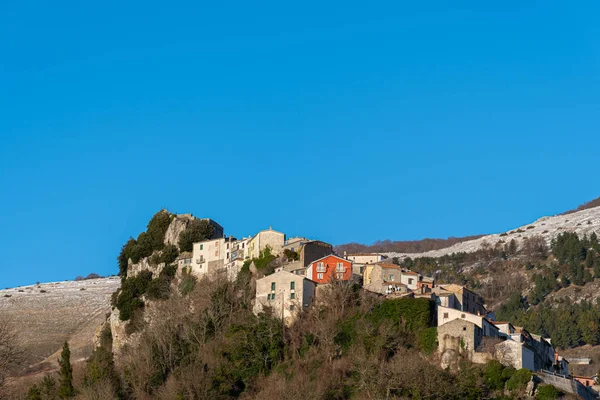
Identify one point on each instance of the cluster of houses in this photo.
(463, 324)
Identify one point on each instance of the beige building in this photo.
(268, 238)
(466, 299)
(211, 256)
(459, 335)
(285, 293)
(361, 260)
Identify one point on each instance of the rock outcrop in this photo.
(178, 225)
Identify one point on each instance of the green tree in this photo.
(65, 387)
(547, 392)
(197, 231)
(157, 228)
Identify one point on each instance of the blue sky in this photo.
(345, 121)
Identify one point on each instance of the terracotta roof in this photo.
(331, 255)
(410, 273)
(363, 254)
(388, 265)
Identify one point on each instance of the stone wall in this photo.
(459, 335)
(567, 385)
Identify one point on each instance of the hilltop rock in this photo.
(178, 225)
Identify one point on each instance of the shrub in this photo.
(493, 375)
(157, 228)
(428, 340)
(547, 392)
(197, 231)
(159, 289)
(188, 282)
(169, 254)
(132, 288)
(518, 380)
(415, 314)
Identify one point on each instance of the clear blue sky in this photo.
(345, 121)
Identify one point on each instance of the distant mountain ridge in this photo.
(436, 245)
(409, 246)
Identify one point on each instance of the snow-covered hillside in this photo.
(581, 222)
(47, 314)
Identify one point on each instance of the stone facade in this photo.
(268, 238)
(285, 293)
(459, 335)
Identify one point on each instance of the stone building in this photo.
(459, 335)
(467, 300)
(268, 238)
(285, 293)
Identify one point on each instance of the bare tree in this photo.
(11, 352)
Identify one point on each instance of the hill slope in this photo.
(581, 222)
(51, 313)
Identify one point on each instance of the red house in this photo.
(323, 269)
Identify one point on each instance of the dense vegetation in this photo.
(520, 279)
(197, 231)
(351, 345)
(147, 242)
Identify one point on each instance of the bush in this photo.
(415, 314)
(519, 380)
(187, 285)
(493, 375)
(157, 228)
(428, 340)
(197, 231)
(159, 289)
(547, 392)
(127, 300)
(169, 254)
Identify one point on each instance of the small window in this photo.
(292, 307)
(462, 315)
(292, 285)
(273, 286)
(201, 247)
(410, 281)
(320, 276)
(292, 296)
(227, 245)
(269, 296)
(391, 279)
(216, 253)
(445, 315)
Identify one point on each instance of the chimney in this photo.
(345, 254)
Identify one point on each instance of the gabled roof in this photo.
(331, 255)
(388, 265)
(410, 273)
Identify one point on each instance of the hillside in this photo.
(50, 313)
(582, 222)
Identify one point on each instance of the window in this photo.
(227, 246)
(464, 328)
(340, 267)
(320, 267)
(272, 286)
(201, 247)
(340, 275)
(292, 296)
(410, 281)
(216, 253)
(292, 307)
(462, 315)
(445, 315)
(320, 275)
(243, 244)
(227, 255)
(292, 285)
(269, 296)
(391, 278)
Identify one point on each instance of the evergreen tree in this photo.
(65, 388)
(589, 259)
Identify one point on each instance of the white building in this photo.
(285, 293)
(361, 260)
(211, 256)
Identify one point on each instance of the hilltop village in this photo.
(463, 324)
(292, 275)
